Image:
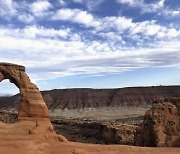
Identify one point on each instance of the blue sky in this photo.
(92, 43)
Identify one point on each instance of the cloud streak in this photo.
(68, 57)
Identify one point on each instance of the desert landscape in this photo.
(152, 126)
(89, 76)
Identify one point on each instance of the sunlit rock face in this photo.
(32, 106)
(161, 125)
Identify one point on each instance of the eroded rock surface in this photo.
(32, 106)
(33, 114)
(161, 125)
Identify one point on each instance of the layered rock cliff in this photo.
(93, 98)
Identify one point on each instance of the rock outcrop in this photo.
(32, 106)
(161, 125)
(33, 114)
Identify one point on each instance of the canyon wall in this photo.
(93, 98)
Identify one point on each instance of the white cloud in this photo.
(156, 7)
(131, 2)
(44, 54)
(170, 13)
(112, 36)
(161, 35)
(121, 25)
(24, 11)
(126, 27)
(64, 14)
(152, 29)
(171, 33)
(92, 5)
(78, 1)
(62, 2)
(26, 18)
(153, 7)
(85, 18)
(77, 16)
(40, 7)
(176, 13)
(7, 8)
(35, 32)
(150, 7)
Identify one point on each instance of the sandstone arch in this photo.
(32, 106)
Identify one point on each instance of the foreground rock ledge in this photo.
(32, 106)
(22, 138)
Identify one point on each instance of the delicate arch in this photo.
(32, 105)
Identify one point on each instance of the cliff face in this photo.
(85, 98)
(161, 125)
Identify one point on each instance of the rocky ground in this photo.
(8, 117)
(16, 139)
(113, 126)
(106, 125)
(19, 137)
(97, 132)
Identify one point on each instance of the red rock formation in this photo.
(161, 125)
(32, 106)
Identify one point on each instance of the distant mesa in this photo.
(83, 98)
